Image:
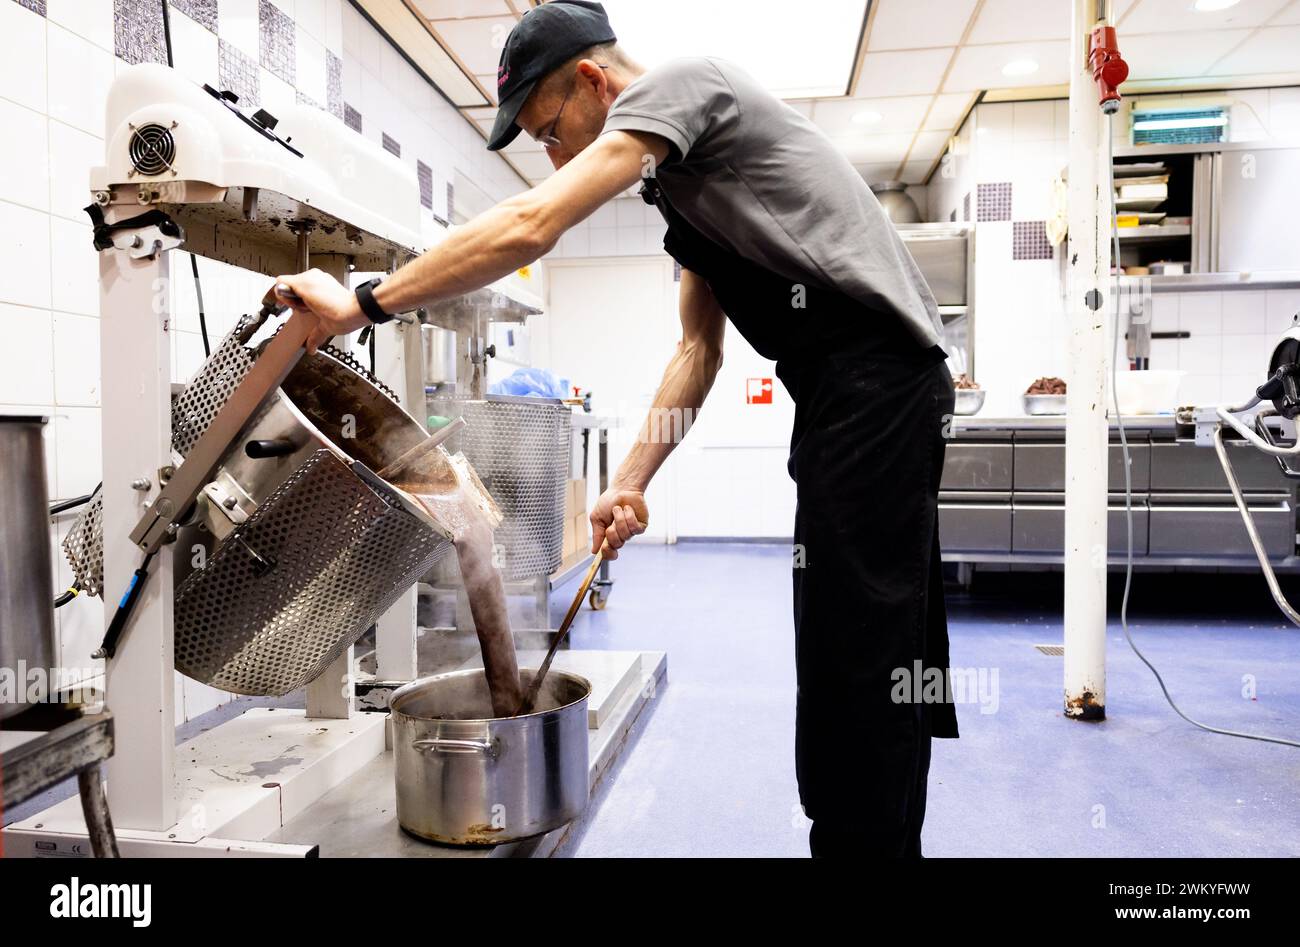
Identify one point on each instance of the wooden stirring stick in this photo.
(530, 696)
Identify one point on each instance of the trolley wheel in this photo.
(598, 599)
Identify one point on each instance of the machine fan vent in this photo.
(153, 149)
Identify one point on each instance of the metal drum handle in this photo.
(457, 746)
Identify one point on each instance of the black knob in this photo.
(260, 450)
(490, 351)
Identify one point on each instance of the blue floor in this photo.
(713, 772)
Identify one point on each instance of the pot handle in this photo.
(456, 746)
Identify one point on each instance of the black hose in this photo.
(203, 317)
(124, 609)
(73, 591)
(65, 505)
(167, 30)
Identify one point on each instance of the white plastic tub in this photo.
(1152, 391)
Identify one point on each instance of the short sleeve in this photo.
(682, 100)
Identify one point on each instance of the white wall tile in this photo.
(1247, 354)
(1201, 355)
(309, 72)
(76, 366)
(237, 24)
(74, 267)
(22, 67)
(1283, 305)
(1245, 313)
(91, 21)
(73, 153)
(1033, 121)
(276, 94)
(77, 445)
(24, 160)
(1201, 313)
(334, 26)
(1164, 312)
(194, 50)
(310, 15)
(627, 212)
(25, 250)
(79, 76)
(28, 378)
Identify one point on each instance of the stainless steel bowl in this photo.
(969, 400)
(1044, 404)
(465, 777)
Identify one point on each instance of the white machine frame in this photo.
(335, 201)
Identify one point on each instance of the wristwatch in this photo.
(366, 300)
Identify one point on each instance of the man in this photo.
(775, 230)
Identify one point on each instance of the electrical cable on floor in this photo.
(203, 316)
(1128, 474)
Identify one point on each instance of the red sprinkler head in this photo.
(1108, 66)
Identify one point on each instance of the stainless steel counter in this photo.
(1002, 497)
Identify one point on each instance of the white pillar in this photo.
(1086, 429)
(135, 366)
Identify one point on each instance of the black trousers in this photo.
(867, 455)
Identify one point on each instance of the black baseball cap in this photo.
(546, 38)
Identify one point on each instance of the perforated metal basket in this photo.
(290, 558)
(520, 448)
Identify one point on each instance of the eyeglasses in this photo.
(548, 139)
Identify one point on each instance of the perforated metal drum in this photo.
(296, 547)
(520, 448)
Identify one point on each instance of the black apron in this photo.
(866, 455)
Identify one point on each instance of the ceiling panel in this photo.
(980, 67)
(489, 84)
(535, 167)
(894, 73)
(877, 171)
(1005, 21)
(909, 24)
(1273, 49)
(947, 110)
(454, 9)
(1173, 55)
(900, 114)
(914, 172)
(929, 145)
(868, 149)
(478, 43)
(1288, 17)
(1163, 16)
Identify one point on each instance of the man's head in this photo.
(560, 71)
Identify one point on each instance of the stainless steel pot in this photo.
(465, 777)
(26, 572)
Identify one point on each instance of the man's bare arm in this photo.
(494, 244)
(621, 513)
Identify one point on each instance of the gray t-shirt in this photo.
(759, 179)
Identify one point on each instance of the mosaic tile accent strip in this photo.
(391, 145)
(303, 99)
(36, 6)
(965, 207)
(425, 175)
(333, 84)
(276, 33)
(202, 12)
(993, 201)
(351, 118)
(238, 73)
(1029, 240)
(451, 201)
(138, 31)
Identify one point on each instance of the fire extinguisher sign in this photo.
(758, 391)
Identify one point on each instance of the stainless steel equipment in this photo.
(520, 447)
(26, 579)
(1043, 404)
(440, 359)
(295, 546)
(467, 778)
(969, 401)
(896, 202)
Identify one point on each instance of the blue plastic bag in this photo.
(534, 382)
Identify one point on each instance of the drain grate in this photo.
(1055, 650)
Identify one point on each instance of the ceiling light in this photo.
(867, 117)
(1020, 67)
(1209, 6)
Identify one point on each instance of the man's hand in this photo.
(334, 307)
(619, 515)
